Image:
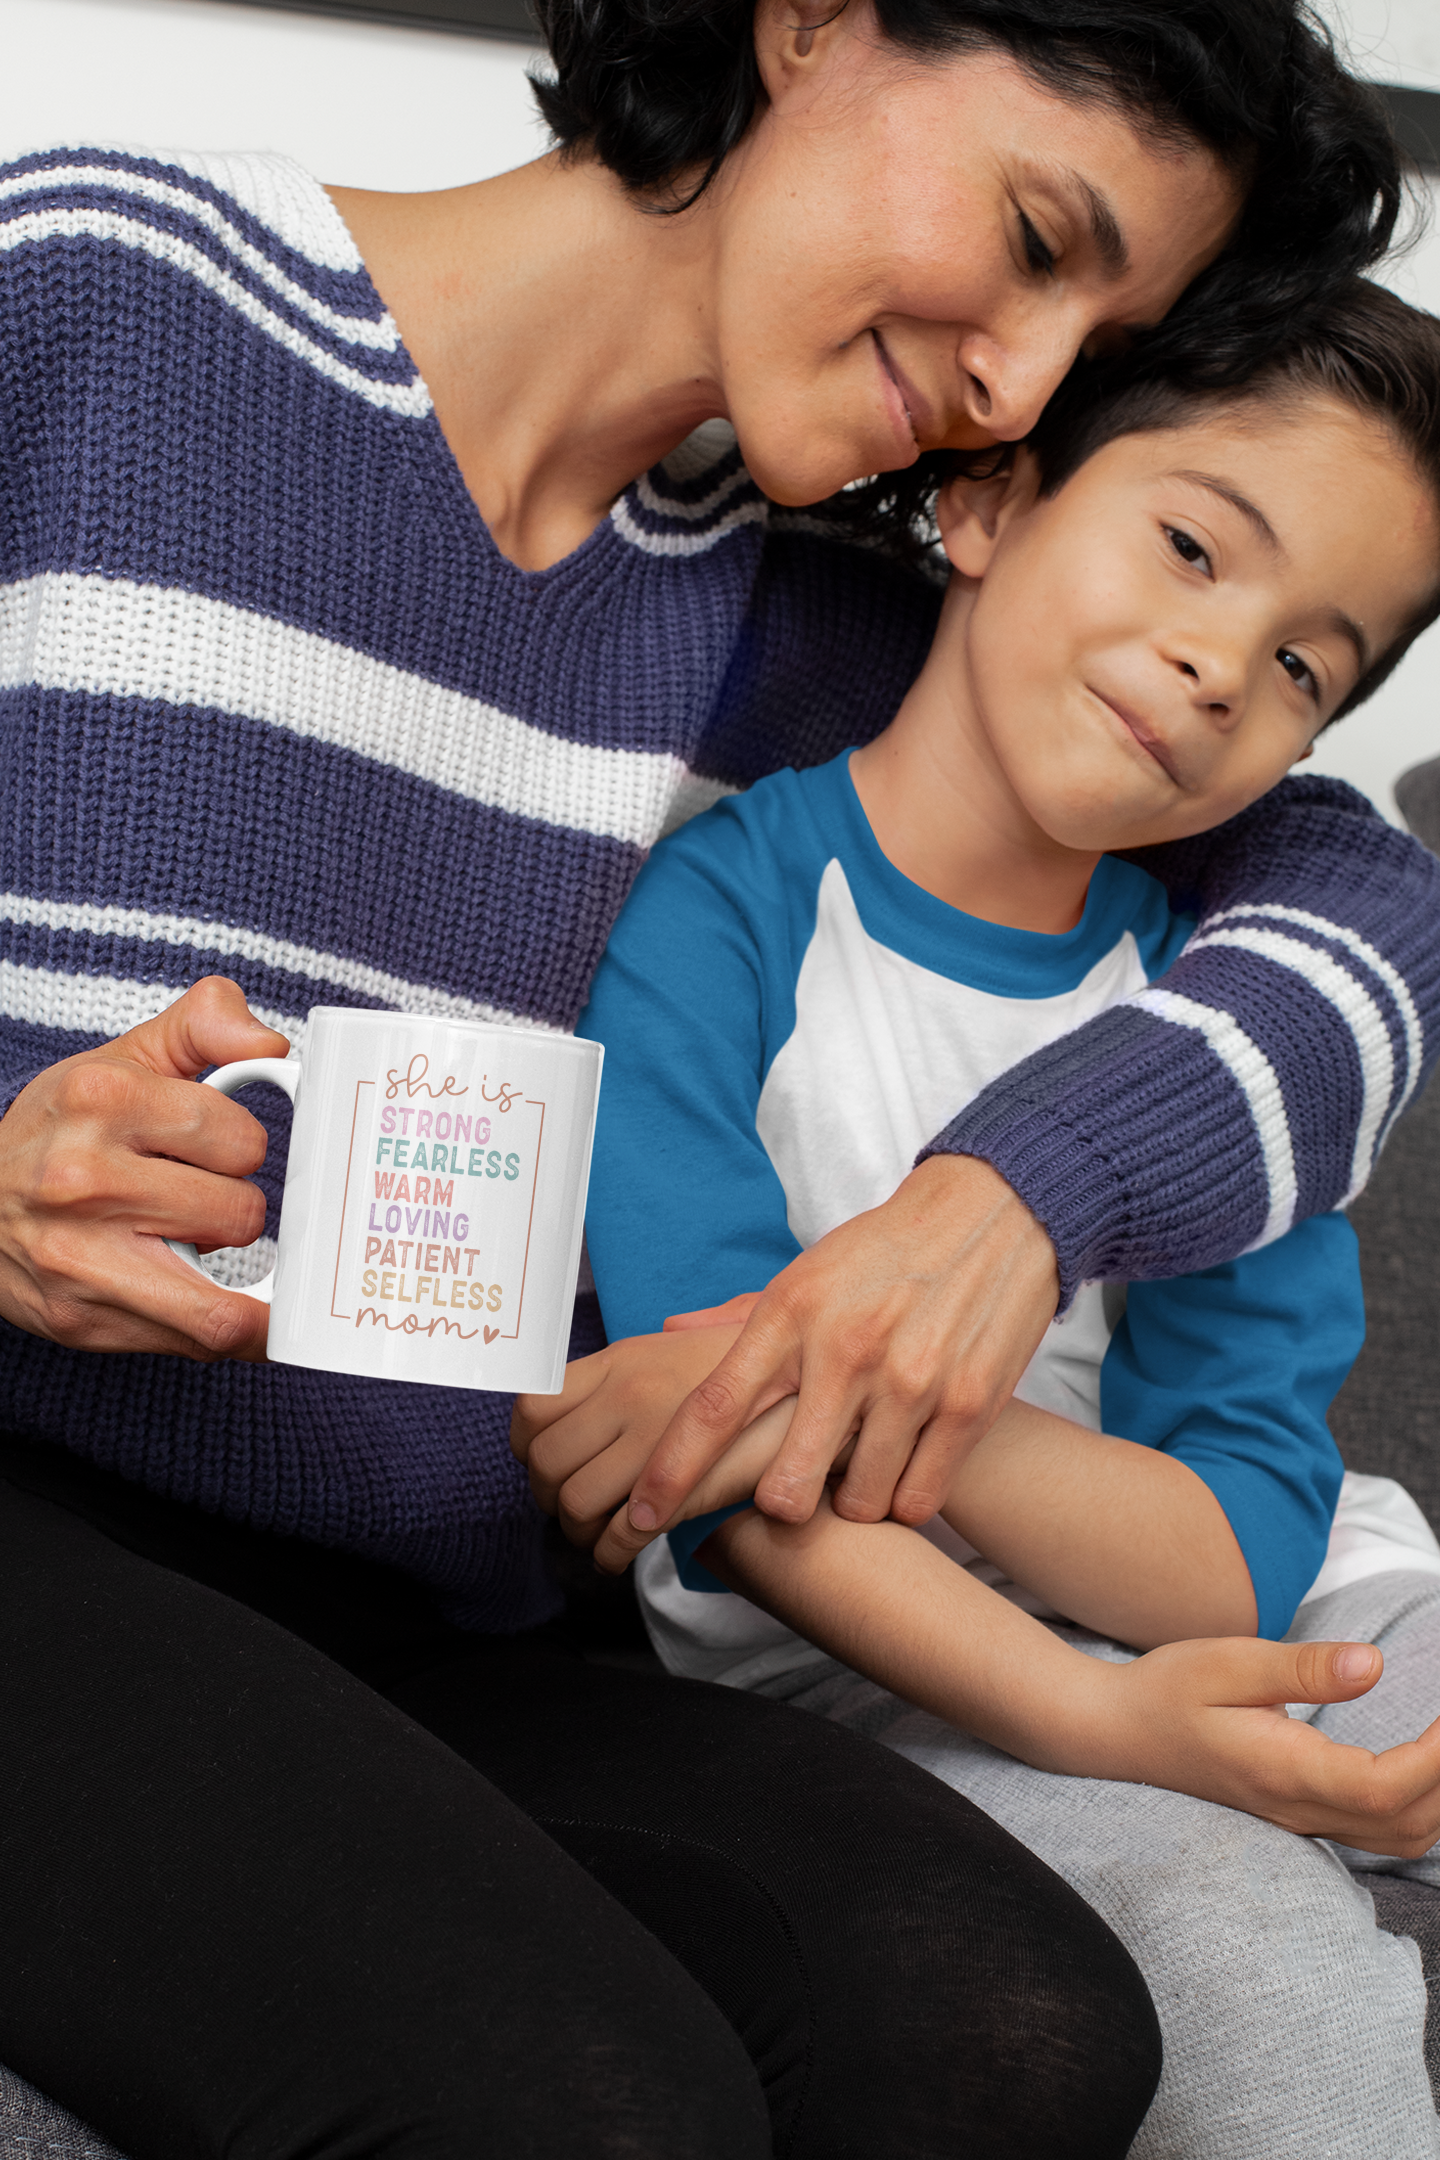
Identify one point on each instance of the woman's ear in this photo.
(973, 514)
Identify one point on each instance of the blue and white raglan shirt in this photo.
(786, 1017)
(273, 704)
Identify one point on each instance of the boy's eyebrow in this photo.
(1346, 626)
(1253, 515)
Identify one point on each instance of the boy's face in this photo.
(1149, 649)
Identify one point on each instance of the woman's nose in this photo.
(1007, 382)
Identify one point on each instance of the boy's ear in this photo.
(972, 514)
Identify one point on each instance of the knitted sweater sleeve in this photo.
(1255, 1083)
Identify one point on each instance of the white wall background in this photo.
(398, 108)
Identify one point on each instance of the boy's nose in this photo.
(1215, 683)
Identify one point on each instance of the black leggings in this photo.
(473, 1897)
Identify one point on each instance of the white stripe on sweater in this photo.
(284, 198)
(1378, 965)
(410, 400)
(111, 638)
(230, 941)
(1255, 1076)
(683, 543)
(104, 1005)
(1356, 1008)
(665, 506)
(382, 336)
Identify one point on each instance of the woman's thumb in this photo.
(210, 1025)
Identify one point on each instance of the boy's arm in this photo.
(1125, 1540)
(1200, 1717)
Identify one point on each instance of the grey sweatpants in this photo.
(1292, 2024)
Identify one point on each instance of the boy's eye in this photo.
(1188, 550)
(1298, 672)
(1037, 254)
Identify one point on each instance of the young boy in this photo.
(1151, 616)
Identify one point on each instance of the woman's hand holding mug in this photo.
(107, 1154)
(434, 1195)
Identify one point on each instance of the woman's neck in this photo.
(945, 813)
(562, 332)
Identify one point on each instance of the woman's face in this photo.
(910, 254)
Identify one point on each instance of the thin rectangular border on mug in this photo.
(535, 1103)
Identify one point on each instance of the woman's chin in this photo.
(799, 475)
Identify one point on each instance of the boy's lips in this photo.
(1142, 732)
(915, 407)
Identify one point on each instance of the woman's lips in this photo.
(908, 409)
(1144, 735)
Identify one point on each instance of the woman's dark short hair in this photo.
(662, 90)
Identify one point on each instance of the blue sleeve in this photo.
(685, 1208)
(1233, 1371)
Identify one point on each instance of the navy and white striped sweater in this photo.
(273, 704)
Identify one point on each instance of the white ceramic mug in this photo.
(434, 1200)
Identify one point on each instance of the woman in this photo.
(362, 665)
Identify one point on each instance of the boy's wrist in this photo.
(1096, 1730)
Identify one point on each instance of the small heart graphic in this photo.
(491, 1333)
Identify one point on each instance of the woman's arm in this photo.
(1254, 1084)
(1200, 1717)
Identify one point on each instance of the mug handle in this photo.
(285, 1072)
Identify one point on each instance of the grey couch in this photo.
(1386, 1420)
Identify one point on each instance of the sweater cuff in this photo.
(1131, 1144)
(1064, 1177)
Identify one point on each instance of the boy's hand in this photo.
(1209, 1718)
(585, 1447)
(911, 1323)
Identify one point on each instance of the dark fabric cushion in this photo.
(1386, 1418)
(1413, 1909)
(1418, 794)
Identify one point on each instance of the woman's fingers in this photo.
(921, 1314)
(125, 1292)
(106, 1154)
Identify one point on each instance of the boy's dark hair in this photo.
(1365, 347)
(662, 90)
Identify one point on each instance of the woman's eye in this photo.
(1037, 254)
(1188, 549)
(1298, 672)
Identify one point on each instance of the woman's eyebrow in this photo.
(1110, 244)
